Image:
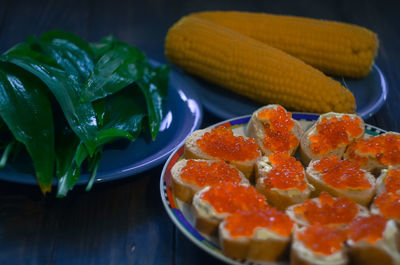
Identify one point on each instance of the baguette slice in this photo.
(214, 203)
(284, 134)
(301, 254)
(212, 172)
(388, 180)
(193, 151)
(263, 239)
(365, 250)
(267, 172)
(361, 196)
(387, 205)
(326, 210)
(387, 151)
(337, 148)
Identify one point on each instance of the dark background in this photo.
(124, 222)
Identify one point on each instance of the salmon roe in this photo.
(324, 240)
(278, 131)
(203, 173)
(388, 204)
(392, 181)
(334, 132)
(231, 197)
(368, 228)
(287, 173)
(342, 174)
(243, 224)
(221, 143)
(329, 210)
(385, 148)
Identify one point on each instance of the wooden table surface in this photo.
(124, 222)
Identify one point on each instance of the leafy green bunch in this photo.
(64, 99)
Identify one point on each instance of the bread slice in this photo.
(383, 251)
(383, 200)
(279, 198)
(256, 129)
(262, 245)
(301, 219)
(369, 161)
(300, 254)
(193, 151)
(184, 190)
(207, 217)
(360, 196)
(306, 152)
(386, 184)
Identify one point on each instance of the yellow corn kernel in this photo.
(335, 48)
(253, 69)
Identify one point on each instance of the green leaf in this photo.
(119, 67)
(65, 88)
(72, 59)
(101, 47)
(154, 86)
(26, 109)
(52, 35)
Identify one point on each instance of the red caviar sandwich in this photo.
(221, 143)
(373, 240)
(330, 135)
(326, 210)
(190, 176)
(376, 152)
(388, 181)
(341, 178)
(281, 178)
(275, 130)
(318, 244)
(387, 204)
(261, 235)
(214, 203)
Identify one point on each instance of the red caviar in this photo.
(368, 228)
(231, 197)
(334, 132)
(322, 239)
(329, 211)
(385, 148)
(287, 173)
(342, 174)
(388, 204)
(203, 173)
(278, 131)
(392, 181)
(243, 224)
(221, 143)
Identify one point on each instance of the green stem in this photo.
(7, 150)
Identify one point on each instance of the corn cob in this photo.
(335, 48)
(253, 69)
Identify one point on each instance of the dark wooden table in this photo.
(124, 222)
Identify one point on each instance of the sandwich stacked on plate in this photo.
(327, 207)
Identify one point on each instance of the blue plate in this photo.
(370, 93)
(183, 114)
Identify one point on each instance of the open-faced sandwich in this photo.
(326, 210)
(341, 178)
(221, 143)
(373, 240)
(274, 130)
(376, 152)
(190, 176)
(330, 135)
(318, 245)
(214, 203)
(281, 178)
(261, 235)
